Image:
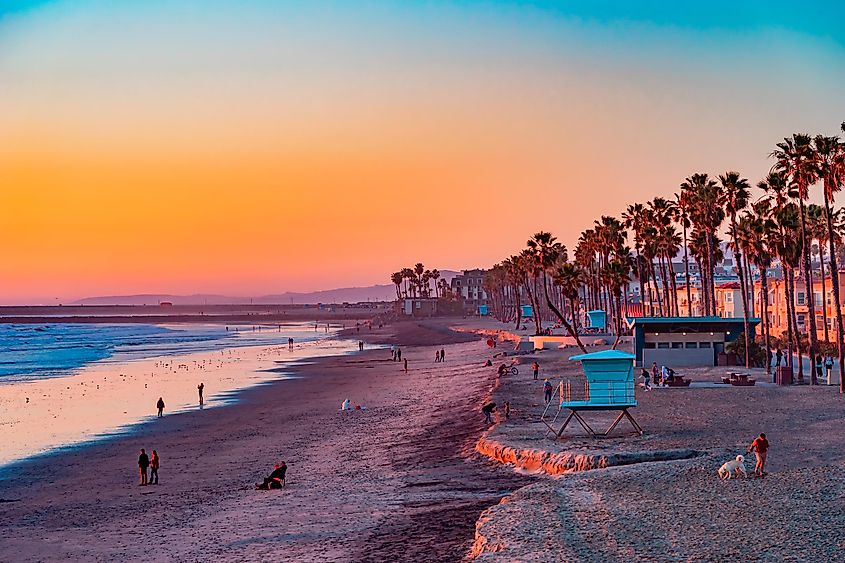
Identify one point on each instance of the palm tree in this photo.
(680, 214)
(734, 198)
(514, 278)
(569, 277)
(758, 233)
(829, 156)
(397, 278)
(706, 216)
(796, 158)
(634, 219)
(547, 253)
(435, 275)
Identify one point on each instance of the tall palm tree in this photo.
(569, 277)
(680, 214)
(397, 278)
(435, 275)
(547, 253)
(795, 157)
(759, 231)
(829, 156)
(706, 216)
(734, 198)
(634, 218)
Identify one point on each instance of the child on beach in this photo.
(154, 463)
(547, 391)
(143, 463)
(536, 368)
(160, 407)
(759, 446)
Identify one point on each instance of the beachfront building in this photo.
(685, 341)
(822, 295)
(419, 306)
(469, 287)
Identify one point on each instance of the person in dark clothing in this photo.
(488, 412)
(406, 365)
(778, 356)
(143, 464)
(160, 407)
(399, 354)
(276, 480)
(442, 355)
(507, 410)
(154, 463)
(200, 389)
(819, 365)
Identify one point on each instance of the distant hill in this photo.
(381, 292)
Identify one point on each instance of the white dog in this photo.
(733, 468)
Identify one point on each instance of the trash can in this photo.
(784, 375)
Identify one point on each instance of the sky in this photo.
(252, 147)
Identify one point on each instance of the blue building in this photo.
(684, 341)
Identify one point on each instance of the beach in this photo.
(398, 480)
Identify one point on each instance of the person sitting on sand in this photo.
(646, 379)
(160, 407)
(276, 480)
(488, 412)
(502, 370)
(759, 446)
(488, 363)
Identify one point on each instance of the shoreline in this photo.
(398, 480)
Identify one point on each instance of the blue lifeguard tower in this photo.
(609, 387)
(527, 311)
(483, 310)
(597, 319)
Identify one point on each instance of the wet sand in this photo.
(398, 481)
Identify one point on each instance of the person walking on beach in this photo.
(406, 365)
(819, 364)
(399, 354)
(488, 412)
(759, 446)
(828, 367)
(154, 463)
(436, 356)
(160, 407)
(507, 410)
(200, 388)
(442, 355)
(778, 356)
(143, 463)
(535, 367)
(547, 391)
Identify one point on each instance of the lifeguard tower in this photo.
(527, 311)
(596, 320)
(609, 387)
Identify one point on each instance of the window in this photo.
(649, 345)
(802, 298)
(662, 344)
(677, 345)
(801, 319)
(817, 299)
(704, 345)
(729, 297)
(690, 345)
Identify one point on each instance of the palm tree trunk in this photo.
(744, 293)
(824, 294)
(569, 328)
(808, 279)
(657, 290)
(686, 273)
(674, 285)
(793, 318)
(834, 283)
(764, 305)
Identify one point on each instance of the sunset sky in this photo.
(256, 147)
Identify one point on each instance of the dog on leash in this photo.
(733, 468)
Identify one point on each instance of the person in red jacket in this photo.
(759, 446)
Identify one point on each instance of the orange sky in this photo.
(145, 153)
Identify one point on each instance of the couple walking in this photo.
(144, 463)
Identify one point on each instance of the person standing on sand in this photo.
(442, 355)
(200, 388)
(828, 367)
(535, 367)
(488, 412)
(160, 407)
(143, 463)
(547, 391)
(436, 356)
(399, 354)
(819, 364)
(507, 410)
(778, 356)
(154, 463)
(759, 446)
(654, 373)
(406, 365)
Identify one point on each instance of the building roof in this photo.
(695, 322)
(604, 355)
(729, 285)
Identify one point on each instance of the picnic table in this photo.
(738, 380)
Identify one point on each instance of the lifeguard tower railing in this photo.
(606, 393)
